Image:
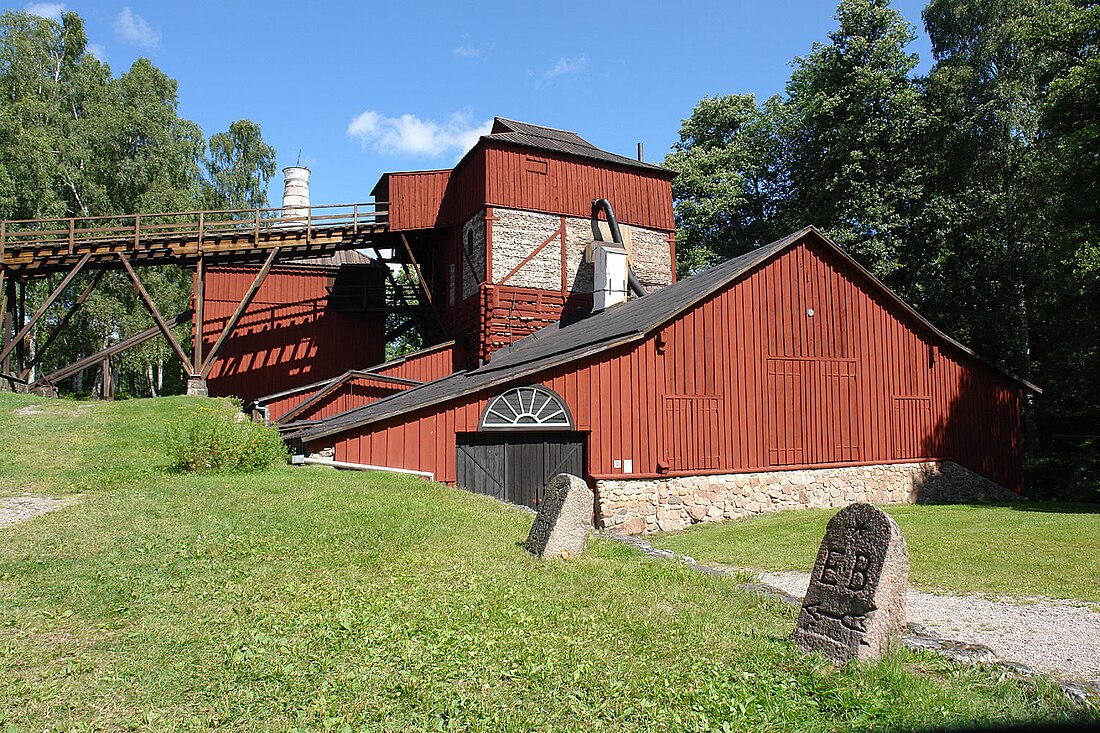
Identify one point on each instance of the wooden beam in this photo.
(208, 365)
(41, 311)
(20, 344)
(80, 365)
(416, 266)
(61, 326)
(200, 306)
(6, 324)
(155, 313)
(554, 235)
(424, 286)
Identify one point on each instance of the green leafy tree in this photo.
(856, 121)
(239, 167)
(77, 141)
(731, 182)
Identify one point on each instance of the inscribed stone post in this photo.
(855, 604)
(564, 520)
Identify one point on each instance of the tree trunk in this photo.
(1031, 428)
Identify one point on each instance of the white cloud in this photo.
(410, 135)
(46, 10)
(565, 66)
(98, 51)
(135, 29)
(467, 51)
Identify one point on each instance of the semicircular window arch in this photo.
(530, 407)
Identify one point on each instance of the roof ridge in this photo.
(531, 124)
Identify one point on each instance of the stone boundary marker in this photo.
(914, 636)
(564, 520)
(855, 605)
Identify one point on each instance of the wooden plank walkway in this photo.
(33, 248)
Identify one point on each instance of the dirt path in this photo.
(1055, 637)
(20, 508)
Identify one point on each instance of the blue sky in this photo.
(367, 87)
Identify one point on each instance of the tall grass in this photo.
(215, 441)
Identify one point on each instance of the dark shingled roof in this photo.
(557, 344)
(336, 259)
(618, 325)
(560, 141)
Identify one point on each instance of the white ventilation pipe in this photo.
(299, 460)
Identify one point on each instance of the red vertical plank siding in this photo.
(748, 382)
(640, 198)
(287, 337)
(425, 366)
(416, 199)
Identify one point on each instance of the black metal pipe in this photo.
(612, 222)
(617, 237)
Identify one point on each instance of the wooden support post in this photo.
(200, 307)
(8, 325)
(108, 391)
(61, 326)
(20, 344)
(416, 266)
(208, 365)
(152, 308)
(424, 285)
(18, 338)
(90, 361)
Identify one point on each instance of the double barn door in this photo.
(517, 466)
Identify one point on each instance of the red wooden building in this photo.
(308, 321)
(788, 377)
(492, 250)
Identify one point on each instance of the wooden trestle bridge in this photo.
(40, 248)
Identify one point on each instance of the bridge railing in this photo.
(72, 232)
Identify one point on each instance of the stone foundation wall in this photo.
(640, 506)
(517, 233)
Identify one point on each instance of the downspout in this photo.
(617, 237)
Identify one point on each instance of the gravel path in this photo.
(20, 508)
(1056, 637)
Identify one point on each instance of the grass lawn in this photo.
(310, 599)
(1015, 550)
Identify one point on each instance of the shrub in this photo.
(216, 441)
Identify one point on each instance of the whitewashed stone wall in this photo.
(517, 233)
(640, 506)
(470, 280)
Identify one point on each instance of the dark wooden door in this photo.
(516, 467)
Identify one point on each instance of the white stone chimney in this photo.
(609, 286)
(295, 191)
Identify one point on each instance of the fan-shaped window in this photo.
(526, 408)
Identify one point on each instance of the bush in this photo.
(216, 441)
(1068, 472)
